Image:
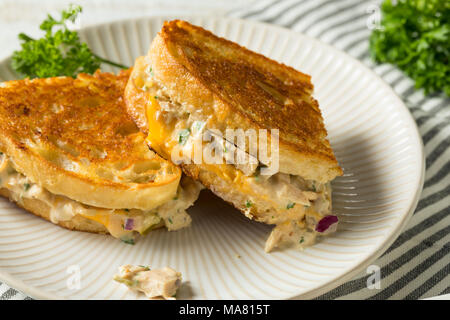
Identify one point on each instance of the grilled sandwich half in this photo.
(192, 81)
(70, 154)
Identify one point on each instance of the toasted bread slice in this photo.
(71, 154)
(74, 138)
(236, 88)
(190, 76)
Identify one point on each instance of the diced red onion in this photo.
(325, 223)
(129, 224)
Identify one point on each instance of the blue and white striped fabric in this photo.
(417, 265)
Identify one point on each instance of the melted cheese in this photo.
(162, 138)
(160, 134)
(288, 205)
(100, 218)
(157, 132)
(64, 209)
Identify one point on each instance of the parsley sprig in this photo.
(59, 53)
(415, 36)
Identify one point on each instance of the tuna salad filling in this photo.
(300, 209)
(158, 283)
(125, 224)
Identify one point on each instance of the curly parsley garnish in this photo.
(415, 36)
(59, 53)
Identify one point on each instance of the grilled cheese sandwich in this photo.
(70, 154)
(192, 82)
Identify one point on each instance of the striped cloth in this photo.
(417, 265)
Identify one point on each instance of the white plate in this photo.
(221, 256)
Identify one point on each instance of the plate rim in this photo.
(36, 293)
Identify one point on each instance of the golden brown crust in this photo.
(238, 88)
(63, 107)
(74, 138)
